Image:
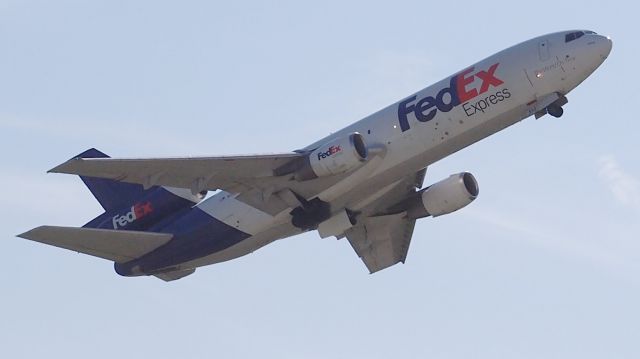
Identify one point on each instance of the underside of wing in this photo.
(381, 238)
(382, 241)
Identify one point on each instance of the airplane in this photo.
(363, 182)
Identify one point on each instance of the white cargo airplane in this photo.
(362, 182)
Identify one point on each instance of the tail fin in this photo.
(111, 194)
(129, 206)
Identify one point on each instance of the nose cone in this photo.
(604, 45)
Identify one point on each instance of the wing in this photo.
(253, 176)
(196, 173)
(383, 240)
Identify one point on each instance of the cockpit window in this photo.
(590, 32)
(573, 35)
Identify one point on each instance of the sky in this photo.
(544, 264)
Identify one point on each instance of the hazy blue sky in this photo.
(545, 264)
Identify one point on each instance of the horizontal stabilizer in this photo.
(118, 246)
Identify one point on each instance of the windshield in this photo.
(573, 35)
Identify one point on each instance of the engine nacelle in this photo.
(446, 196)
(335, 157)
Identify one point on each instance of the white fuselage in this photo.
(430, 125)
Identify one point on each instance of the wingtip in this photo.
(69, 165)
(54, 169)
(64, 167)
(29, 234)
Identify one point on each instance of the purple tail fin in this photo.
(130, 207)
(111, 194)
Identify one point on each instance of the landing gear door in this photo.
(543, 50)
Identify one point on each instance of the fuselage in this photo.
(414, 132)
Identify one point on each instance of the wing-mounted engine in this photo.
(334, 157)
(446, 196)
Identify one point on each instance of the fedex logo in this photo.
(137, 211)
(332, 150)
(458, 92)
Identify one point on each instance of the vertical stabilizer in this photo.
(111, 194)
(129, 206)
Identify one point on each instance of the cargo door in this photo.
(543, 50)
